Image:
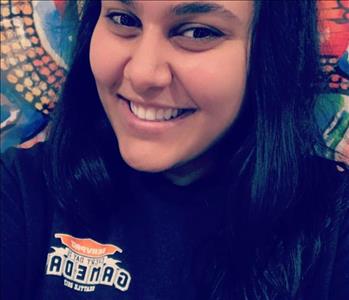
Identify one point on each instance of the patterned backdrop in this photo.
(36, 41)
(332, 108)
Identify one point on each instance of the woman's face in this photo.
(170, 75)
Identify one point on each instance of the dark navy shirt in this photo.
(148, 250)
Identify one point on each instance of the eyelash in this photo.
(211, 33)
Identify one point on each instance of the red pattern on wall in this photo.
(60, 5)
(334, 28)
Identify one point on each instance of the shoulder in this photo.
(24, 194)
(333, 186)
(22, 177)
(340, 275)
(16, 159)
(23, 167)
(23, 184)
(26, 213)
(326, 177)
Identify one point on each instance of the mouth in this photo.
(157, 114)
(152, 120)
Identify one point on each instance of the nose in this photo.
(147, 68)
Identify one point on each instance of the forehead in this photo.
(240, 10)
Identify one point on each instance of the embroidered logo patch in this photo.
(85, 263)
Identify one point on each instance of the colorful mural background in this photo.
(36, 42)
(332, 109)
(37, 37)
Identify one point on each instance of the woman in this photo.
(180, 162)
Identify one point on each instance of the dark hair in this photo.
(276, 130)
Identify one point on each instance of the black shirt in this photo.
(146, 252)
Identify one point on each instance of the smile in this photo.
(158, 114)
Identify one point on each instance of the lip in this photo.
(153, 105)
(145, 127)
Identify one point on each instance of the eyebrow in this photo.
(192, 8)
(127, 2)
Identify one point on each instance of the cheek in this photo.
(106, 58)
(218, 85)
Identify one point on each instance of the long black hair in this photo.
(275, 130)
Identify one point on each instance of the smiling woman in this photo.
(152, 90)
(190, 173)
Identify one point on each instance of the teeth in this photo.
(133, 108)
(160, 114)
(152, 114)
(175, 113)
(140, 112)
(168, 114)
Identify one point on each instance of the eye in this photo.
(198, 33)
(123, 19)
(196, 37)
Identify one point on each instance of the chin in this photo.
(147, 166)
(144, 167)
(144, 164)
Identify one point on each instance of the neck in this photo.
(196, 168)
(188, 173)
